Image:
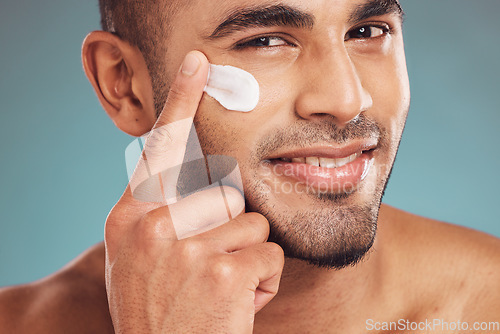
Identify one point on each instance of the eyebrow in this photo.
(376, 8)
(263, 16)
(288, 16)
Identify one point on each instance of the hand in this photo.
(213, 282)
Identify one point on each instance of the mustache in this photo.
(306, 133)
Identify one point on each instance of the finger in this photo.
(187, 89)
(199, 212)
(156, 173)
(243, 231)
(265, 262)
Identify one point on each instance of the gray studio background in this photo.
(62, 161)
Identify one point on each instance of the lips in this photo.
(326, 168)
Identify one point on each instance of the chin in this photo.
(328, 230)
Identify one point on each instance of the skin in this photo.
(417, 268)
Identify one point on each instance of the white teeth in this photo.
(327, 162)
(312, 161)
(324, 162)
(342, 162)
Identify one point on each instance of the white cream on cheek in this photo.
(234, 88)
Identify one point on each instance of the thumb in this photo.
(165, 146)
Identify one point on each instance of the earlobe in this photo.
(120, 78)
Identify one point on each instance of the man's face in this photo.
(333, 85)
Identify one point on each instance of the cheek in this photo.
(217, 133)
(237, 133)
(386, 79)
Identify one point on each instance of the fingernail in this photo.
(190, 65)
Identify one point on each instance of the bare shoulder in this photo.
(459, 267)
(72, 300)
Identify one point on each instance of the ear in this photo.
(120, 77)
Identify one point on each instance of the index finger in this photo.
(165, 146)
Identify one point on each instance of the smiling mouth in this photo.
(325, 157)
(325, 169)
(324, 162)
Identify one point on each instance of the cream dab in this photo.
(234, 88)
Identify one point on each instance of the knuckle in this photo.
(114, 227)
(271, 255)
(114, 215)
(151, 225)
(257, 218)
(258, 222)
(111, 225)
(191, 250)
(223, 270)
(276, 251)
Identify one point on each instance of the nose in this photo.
(332, 86)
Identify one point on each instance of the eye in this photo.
(368, 31)
(262, 42)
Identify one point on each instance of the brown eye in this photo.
(265, 41)
(366, 32)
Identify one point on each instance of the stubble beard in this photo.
(333, 234)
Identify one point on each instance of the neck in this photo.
(308, 293)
